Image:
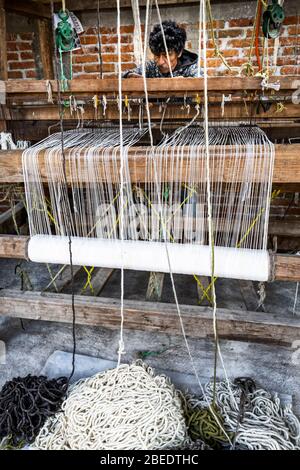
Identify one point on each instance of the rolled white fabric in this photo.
(233, 263)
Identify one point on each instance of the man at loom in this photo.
(183, 63)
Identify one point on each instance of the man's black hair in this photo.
(175, 38)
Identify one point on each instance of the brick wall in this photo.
(234, 39)
(20, 55)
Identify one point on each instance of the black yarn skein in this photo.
(26, 403)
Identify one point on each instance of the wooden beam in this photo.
(284, 267)
(157, 317)
(28, 8)
(3, 49)
(3, 65)
(88, 5)
(44, 30)
(232, 111)
(287, 267)
(155, 286)
(99, 279)
(63, 279)
(162, 86)
(13, 246)
(286, 168)
(17, 213)
(249, 294)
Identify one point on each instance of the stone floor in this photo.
(29, 344)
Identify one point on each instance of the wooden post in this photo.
(44, 33)
(3, 60)
(3, 49)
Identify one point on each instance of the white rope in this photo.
(265, 424)
(121, 216)
(127, 408)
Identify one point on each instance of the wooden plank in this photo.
(232, 111)
(155, 286)
(98, 281)
(205, 281)
(62, 281)
(3, 65)
(28, 8)
(13, 246)
(178, 85)
(287, 267)
(249, 294)
(44, 30)
(286, 168)
(3, 49)
(160, 317)
(7, 224)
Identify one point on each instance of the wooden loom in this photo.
(26, 101)
(26, 112)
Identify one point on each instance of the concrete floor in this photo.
(27, 350)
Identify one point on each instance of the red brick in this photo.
(77, 68)
(109, 75)
(294, 30)
(96, 68)
(288, 70)
(26, 36)
(128, 66)
(12, 56)
(286, 61)
(15, 74)
(236, 23)
(27, 56)
(217, 24)
(231, 33)
(126, 48)
(249, 32)
(288, 41)
(30, 74)
(213, 62)
(11, 37)
(230, 52)
(82, 59)
(105, 30)
(24, 46)
(91, 31)
(235, 62)
(11, 46)
(22, 65)
(238, 43)
(89, 40)
(113, 39)
(88, 75)
(291, 20)
(109, 39)
(127, 29)
(109, 58)
(110, 48)
(284, 51)
(127, 57)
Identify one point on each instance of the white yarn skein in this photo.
(128, 410)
